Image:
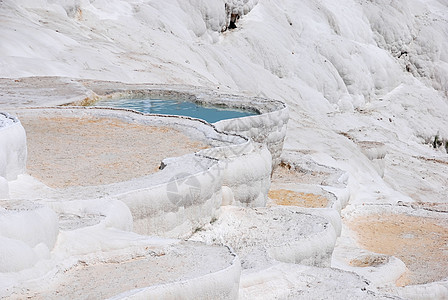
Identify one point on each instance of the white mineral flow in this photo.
(5, 120)
(353, 74)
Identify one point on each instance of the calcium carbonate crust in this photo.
(275, 234)
(187, 192)
(28, 232)
(222, 284)
(268, 127)
(184, 195)
(12, 148)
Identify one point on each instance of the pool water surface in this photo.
(177, 107)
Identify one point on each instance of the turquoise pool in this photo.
(210, 114)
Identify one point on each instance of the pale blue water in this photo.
(177, 107)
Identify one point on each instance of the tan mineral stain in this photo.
(291, 198)
(286, 174)
(369, 260)
(420, 242)
(86, 151)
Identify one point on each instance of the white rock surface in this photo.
(12, 148)
(28, 233)
(262, 235)
(196, 270)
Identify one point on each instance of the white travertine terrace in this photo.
(184, 195)
(12, 151)
(28, 232)
(240, 165)
(12, 147)
(269, 127)
(193, 196)
(282, 234)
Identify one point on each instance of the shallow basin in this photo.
(208, 113)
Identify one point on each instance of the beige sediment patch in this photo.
(369, 260)
(292, 198)
(284, 173)
(86, 151)
(420, 242)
